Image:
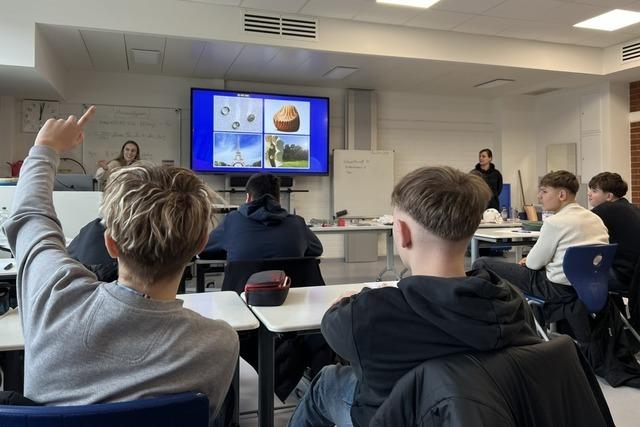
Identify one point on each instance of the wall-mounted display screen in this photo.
(246, 132)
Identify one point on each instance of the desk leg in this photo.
(265, 377)
(391, 261)
(474, 250)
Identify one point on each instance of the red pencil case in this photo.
(267, 288)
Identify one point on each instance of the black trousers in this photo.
(561, 301)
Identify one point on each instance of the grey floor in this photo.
(624, 402)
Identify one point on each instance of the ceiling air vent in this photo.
(631, 51)
(542, 91)
(298, 27)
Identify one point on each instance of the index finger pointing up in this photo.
(87, 116)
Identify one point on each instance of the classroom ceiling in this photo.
(542, 20)
(109, 51)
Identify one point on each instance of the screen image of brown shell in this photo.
(287, 119)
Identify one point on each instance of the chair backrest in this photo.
(184, 409)
(303, 271)
(545, 384)
(587, 269)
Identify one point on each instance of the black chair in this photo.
(630, 313)
(545, 384)
(303, 271)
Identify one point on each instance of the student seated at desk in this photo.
(622, 219)
(88, 341)
(261, 228)
(439, 310)
(540, 274)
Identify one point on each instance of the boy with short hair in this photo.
(439, 310)
(622, 219)
(91, 342)
(541, 274)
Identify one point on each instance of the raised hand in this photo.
(63, 135)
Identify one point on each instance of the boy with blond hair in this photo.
(91, 342)
(439, 310)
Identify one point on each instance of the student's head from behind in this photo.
(157, 218)
(260, 184)
(485, 156)
(129, 153)
(437, 205)
(606, 187)
(557, 189)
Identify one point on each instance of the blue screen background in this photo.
(202, 133)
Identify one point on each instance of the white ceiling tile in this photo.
(334, 8)
(486, 25)
(385, 14)
(606, 39)
(68, 45)
(106, 50)
(181, 56)
(572, 13)
(438, 19)
(286, 6)
(544, 32)
(524, 9)
(217, 2)
(466, 6)
(216, 59)
(252, 60)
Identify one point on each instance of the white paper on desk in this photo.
(376, 285)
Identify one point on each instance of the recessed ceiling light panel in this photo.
(412, 3)
(611, 21)
(339, 73)
(494, 83)
(144, 56)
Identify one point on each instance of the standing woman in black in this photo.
(491, 176)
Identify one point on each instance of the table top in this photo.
(349, 228)
(507, 224)
(12, 271)
(304, 307)
(505, 233)
(227, 306)
(11, 331)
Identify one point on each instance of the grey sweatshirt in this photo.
(89, 342)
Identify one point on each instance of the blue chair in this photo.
(184, 409)
(587, 269)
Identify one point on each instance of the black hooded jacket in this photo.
(262, 229)
(386, 332)
(493, 178)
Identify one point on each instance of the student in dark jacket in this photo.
(491, 176)
(622, 219)
(261, 228)
(438, 311)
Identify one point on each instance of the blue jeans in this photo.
(328, 400)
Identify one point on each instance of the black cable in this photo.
(75, 161)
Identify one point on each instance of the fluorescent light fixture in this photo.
(494, 83)
(146, 57)
(411, 3)
(339, 73)
(611, 21)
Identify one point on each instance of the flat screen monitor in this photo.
(73, 182)
(247, 132)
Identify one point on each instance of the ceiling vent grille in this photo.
(298, 27)
(542, 91)
(631, 51)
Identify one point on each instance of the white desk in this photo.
(227, 306)
(301, 312)
(507, 224)
(388, 229)
(501, 237)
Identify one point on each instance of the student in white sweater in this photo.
(88, 341)
(540, 273)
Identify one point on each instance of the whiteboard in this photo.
(362, 182)
(156, 130)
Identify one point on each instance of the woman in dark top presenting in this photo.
(491, 176)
